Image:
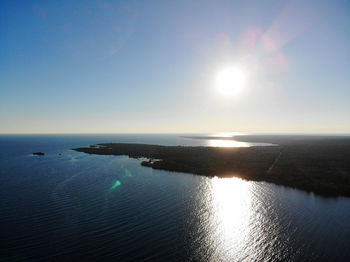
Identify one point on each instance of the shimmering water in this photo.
(76, 206)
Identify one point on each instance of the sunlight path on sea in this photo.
(226, 143)
(224, 215)
(230, 205)
(231, 226)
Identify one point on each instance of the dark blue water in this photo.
(64, 208)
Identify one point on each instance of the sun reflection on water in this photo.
(231, 203)
(226, 143)
(226, 140)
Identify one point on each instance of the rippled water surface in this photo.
(76, 206)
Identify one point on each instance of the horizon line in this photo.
(185, 133)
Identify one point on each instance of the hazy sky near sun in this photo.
(149, 66)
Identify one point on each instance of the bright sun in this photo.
(230, 81)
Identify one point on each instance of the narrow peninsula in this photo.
(320, 165)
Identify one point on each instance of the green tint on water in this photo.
(116, 184)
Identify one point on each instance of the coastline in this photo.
(321, 168)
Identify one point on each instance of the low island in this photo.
(38, 154)
(315, 165)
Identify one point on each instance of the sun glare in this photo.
(230, 81)
(227, 143)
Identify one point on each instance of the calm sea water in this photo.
(75, 206)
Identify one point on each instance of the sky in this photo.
(150, 66)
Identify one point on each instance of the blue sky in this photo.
(149, 66)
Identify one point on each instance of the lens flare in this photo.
(116, 184)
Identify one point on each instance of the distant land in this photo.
(319, 164)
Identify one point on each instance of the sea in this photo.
(72, 206)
